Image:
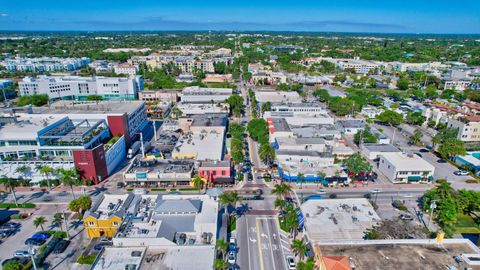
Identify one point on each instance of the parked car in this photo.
(291, 263)
(424, 150)
(321, 191)
(418, 154)
(21, 253)
(10, 225)
(376, 190)
(406, 217)
(232, 257)
(61, 246)
(34, 242)
(442, 161)
(232, 246)
(7, 233)
(461, 173)
(42, 236)
(120, 185)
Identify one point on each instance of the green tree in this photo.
(281, 190)
(258, 130)
(81, 204)
(266, 153)
(299, 248)
(356, 163)
(198, 183)
(46, 171)
(452, 147)
(236, 104)
(267, 106)
(11, 184)
(341, 106)
(403, 83)
(221, 264)
(13, 265)
(390, 117)
(301, 178)
(321, 94)
(222, 247)
(228, 199)
(39, 221)
(69, 177)
(280, 204)
(58, 220)
(415, 118)
(24, 170)
(416, 137)
(365, 136)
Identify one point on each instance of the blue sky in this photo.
(386, 16)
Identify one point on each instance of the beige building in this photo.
(468, 128)
(159, 95)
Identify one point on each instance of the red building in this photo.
(216, 172)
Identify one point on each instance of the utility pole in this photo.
(32, 254)
(143, 147)
(66, 223)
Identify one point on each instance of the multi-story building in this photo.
(404, 168)
(91, 136)
(216, 172)
(468, 128)
(152, 172)
(44, 64)
(79, 88)
(126, 68)
(159, 95)
(106, 215)
(359, 66)
(196, 94)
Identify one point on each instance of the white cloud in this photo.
(3, 15)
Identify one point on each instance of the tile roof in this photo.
(336, 263)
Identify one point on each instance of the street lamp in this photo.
(433, 205)
(32, 252)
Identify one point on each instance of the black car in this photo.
(61, 246)
(423, 150)
(442, 161)
(7, 232)
(418, 154)
(34, 242)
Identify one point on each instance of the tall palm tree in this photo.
(224, 199)
(198, 183)
(235, 198)
(11, 184)
(321, 175)
(229, 199)
(222, 246)
(299, 248)
(58, 220)
(69, 177)
(39, 221)
(46, 171)
(280, 204)
(281, 190)
(301, 177)
(24, 170)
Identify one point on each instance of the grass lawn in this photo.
(466, 224)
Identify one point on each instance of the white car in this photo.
(321, 191)
(461, 173)
(375, 190)
(21, 253)
(291, 263)
(232, 257)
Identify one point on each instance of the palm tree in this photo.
(222, 246)
(281, 190)
(321, 175)
(198, 183)
(69, 177)
(58, 220)
(229, 199)
(266, 153)
(221, 264)
(235, 198)
(24, 170)
(46, 171)
(280, 204)
(299, 248)
(224, 199)
(301, 177)
(291, 221)
(11, 184)
(39, 221)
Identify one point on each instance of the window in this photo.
(91, 223)
(214, 173)
(224, 172)
(115, 223)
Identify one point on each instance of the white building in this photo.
(371, 112)
(196, 94)
(403, 168)
(44, 64)
(126, 68)
(278, 97)
(81, 87)
(373, 150)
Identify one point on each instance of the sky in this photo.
(386, 16)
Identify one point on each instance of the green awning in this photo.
(430, 178)
(414, 178)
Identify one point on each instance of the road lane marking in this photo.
(271, 250)
(259, 245)
(248, 244)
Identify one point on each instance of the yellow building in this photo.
(106, 215)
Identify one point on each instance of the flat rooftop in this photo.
(111, 204)
(201, 108)
(279, 124)
(114, 258)
(331, 219)
(375, 147)
(204, 146)
(90, 107)
(27, 126)
(402, 254)
(185, 257)
(404, 162)
(278, 97)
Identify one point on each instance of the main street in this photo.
(262, 245)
